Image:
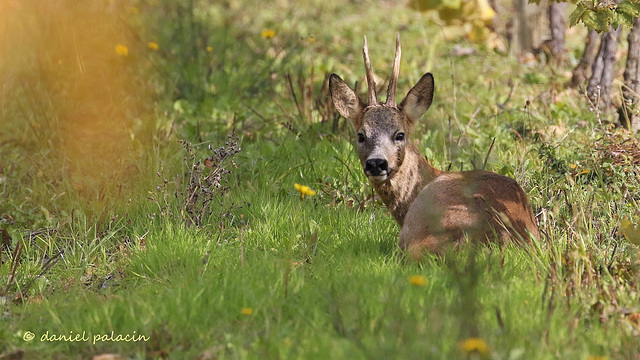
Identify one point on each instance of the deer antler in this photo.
(391, 90)
(371, 83)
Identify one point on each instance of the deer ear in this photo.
(419, 98)
(344, 99)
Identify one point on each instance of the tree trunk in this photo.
(557, 26)
(529, 26)
(581, 72)
(629, 114)
(599, 88)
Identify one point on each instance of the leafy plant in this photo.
(602, 15)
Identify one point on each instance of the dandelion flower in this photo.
(246, 311)
(475, 345)
(209, 49)
(304, 190)
(417, 280)
(153, 45)
(122, 50)
(268, 33)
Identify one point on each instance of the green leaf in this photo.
(577, 14)
(621, 19)
(590, 20)
(606, 18)
(629, 8)
(627, 11)
(599, 16)
(630, 231)
(615, 20)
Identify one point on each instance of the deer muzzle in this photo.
(376, 169)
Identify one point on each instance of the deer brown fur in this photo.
(433, 208)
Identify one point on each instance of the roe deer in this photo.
(433, 207)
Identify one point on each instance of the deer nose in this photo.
(376, 166)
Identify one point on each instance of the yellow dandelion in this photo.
(134, 10)
(209, 49)
(246, 311)
(304, 190)
(417, 280)
(475, 345)
(572, 166)
(122, 50)
(268, 33)
(311, 39)
(585, 171)
(153, 45)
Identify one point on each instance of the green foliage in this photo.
(602, 15)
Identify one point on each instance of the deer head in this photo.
(382, 128)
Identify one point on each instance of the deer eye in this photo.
(360, 138)
(400, 136)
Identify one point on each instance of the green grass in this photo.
(268, 274)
